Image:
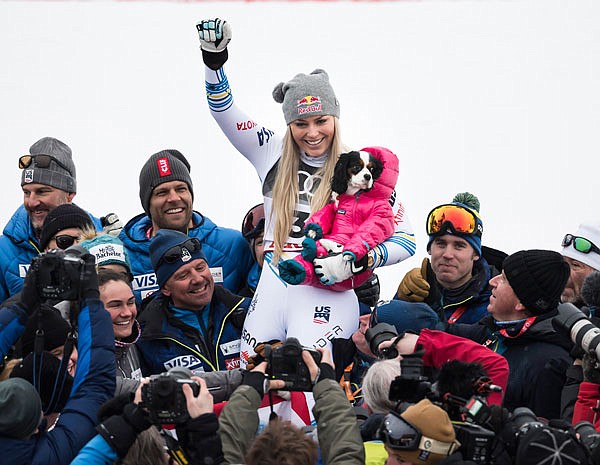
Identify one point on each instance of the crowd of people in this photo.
(170, 339)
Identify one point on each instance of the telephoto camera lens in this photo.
(575, 324)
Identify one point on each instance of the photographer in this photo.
(197, 433)
(440, 347)
(94, 380)
(338, 434)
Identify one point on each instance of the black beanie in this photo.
(62, 217)
(537, 277)
(55, 327)
(164, 166)
(50, 367)
(20, 408)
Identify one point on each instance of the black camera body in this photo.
(59, 275)
(412, 385)
(476, 442)
(379, 333)
(164, 398)
(285, 363)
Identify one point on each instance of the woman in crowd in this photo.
(295, 171)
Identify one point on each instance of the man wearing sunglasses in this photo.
(454, 281)
(167, 194)
(580, 250)
(190, 322)
(48, 179)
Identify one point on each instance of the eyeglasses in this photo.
(459, 219)
(64, 241)
(254, 221)
(400, 434)
(177, 252)
(41, 161)
(581, 244)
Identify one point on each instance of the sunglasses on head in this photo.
(178, 251)
(64, 241)
(460, 219)
(41, 161)
(581, 244)
(400, 434)
(254, 221)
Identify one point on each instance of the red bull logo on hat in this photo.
(309, 104)
(309, 100)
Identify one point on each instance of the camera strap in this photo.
(59, 382)
(174, 450)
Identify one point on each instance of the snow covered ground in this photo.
(500, 98)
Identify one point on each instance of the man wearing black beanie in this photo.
(167, 195)
(524, 300)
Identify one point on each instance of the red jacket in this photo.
(588, 399)
(441, 347)
(362, 221)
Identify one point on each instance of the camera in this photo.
(379, 333)
(59, 275)
(575, 324)
(285, 363)
(164, 398)
(411, 385)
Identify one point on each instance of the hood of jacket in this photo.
(386, 183)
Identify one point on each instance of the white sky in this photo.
(500, 98)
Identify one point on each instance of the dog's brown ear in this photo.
(339, 182)
(376, 167)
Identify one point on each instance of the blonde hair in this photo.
(285, 189)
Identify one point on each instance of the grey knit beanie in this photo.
(307, 95)
(164, 166)
(54, 175)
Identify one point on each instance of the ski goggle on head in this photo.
(254, 222)
(399, 434)
(581, 244)
(459, 219)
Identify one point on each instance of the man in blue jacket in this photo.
(191, 322)
(23, 437)
(167, 194)
(48, 180)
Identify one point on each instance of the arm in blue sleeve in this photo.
(96, 452)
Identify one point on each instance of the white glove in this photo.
(214, 34)
(333, 269)
(111, 224)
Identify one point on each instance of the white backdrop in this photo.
(500, 98)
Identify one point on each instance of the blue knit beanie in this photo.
(471, 203)
(166, 239)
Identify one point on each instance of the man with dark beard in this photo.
(167, 194)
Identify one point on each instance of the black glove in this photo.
(200, 440)
(591, 370)
(120, 431)
(114, 406)
(368, 292)
(29, 299)
(257, 380)
(89, 277)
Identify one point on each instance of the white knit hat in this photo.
(591, 232)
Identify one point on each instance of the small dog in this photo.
(355, 171)
(359, 218)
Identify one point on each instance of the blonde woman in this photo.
(295, 172)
